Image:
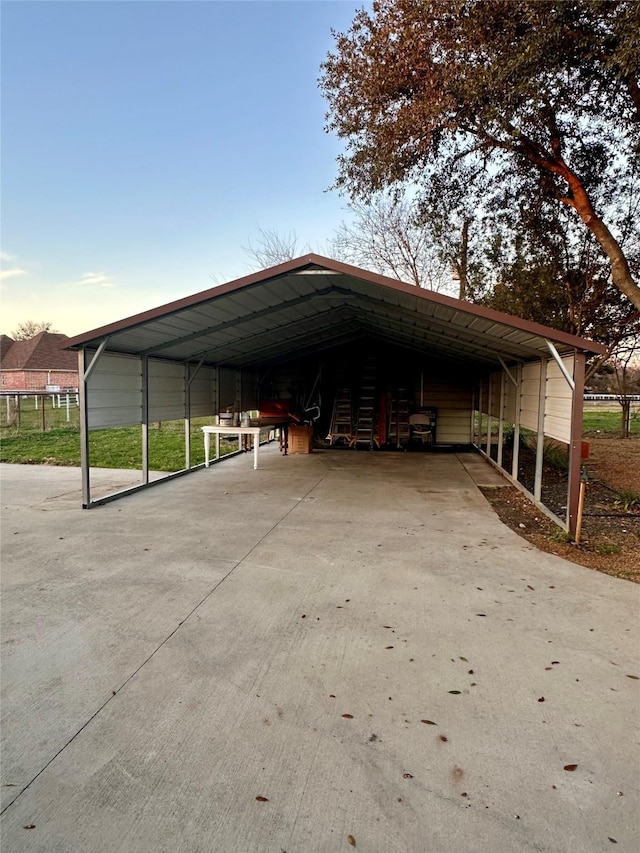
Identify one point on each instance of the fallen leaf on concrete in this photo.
(541, 699)
(262, 799)
(407, 776)
(570, 767)
(429, 722)
(351, 840)
(29, 826)
(464, 659)
(481, 614)
(388, 647)
(531, 587)
(635, 677)
(455, 692)
(348, 716)
(444, 738)
(612, 840)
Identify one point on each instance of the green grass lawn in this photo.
(120, 447)
(609, 422)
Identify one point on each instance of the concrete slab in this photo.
(353, 636)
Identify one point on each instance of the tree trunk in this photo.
(626, 417)
(460, 262)
(620, 272)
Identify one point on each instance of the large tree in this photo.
(427, 90)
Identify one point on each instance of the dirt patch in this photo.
(610, 541)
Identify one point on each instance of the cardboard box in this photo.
(300, 439)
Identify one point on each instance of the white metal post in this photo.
(542, 397)
(84, 428)
(516, 427)
(145, 418)
(187, 416)
(489, 418)
(501, 420)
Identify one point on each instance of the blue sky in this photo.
(144, 143)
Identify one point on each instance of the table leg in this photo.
(207, 445)
(256, 445)
(217, 445)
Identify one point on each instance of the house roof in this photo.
(42, 352)
(314, 303)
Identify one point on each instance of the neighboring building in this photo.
(39, 364)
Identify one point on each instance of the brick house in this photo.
(38, 364)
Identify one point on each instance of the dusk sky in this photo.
(144, 143)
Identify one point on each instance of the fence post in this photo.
(44, 423)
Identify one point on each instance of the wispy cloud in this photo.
(11, 273)
(92, 280)
(96, 279)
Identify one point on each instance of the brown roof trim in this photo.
(339, 267)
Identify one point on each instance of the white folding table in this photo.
(219, 429)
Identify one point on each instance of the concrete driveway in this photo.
(334, 650)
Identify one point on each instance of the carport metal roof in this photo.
(312, 303)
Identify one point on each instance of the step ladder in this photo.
(399, 429)
(341, 430)
(365, 431)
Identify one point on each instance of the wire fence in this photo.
(39, 411)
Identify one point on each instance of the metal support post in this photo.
(575, 447)
(542, 396)
(145, 418)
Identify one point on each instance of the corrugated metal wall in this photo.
(115, 391)
(453, 402)
(557, 397)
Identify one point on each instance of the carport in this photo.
(312, 328)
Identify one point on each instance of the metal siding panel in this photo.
(167, 399)
(529, 399)
(559, 401)
(227, 389)
(114, 392)
(453, 404)
(558, 428)
(203, 389)
(510, 401)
